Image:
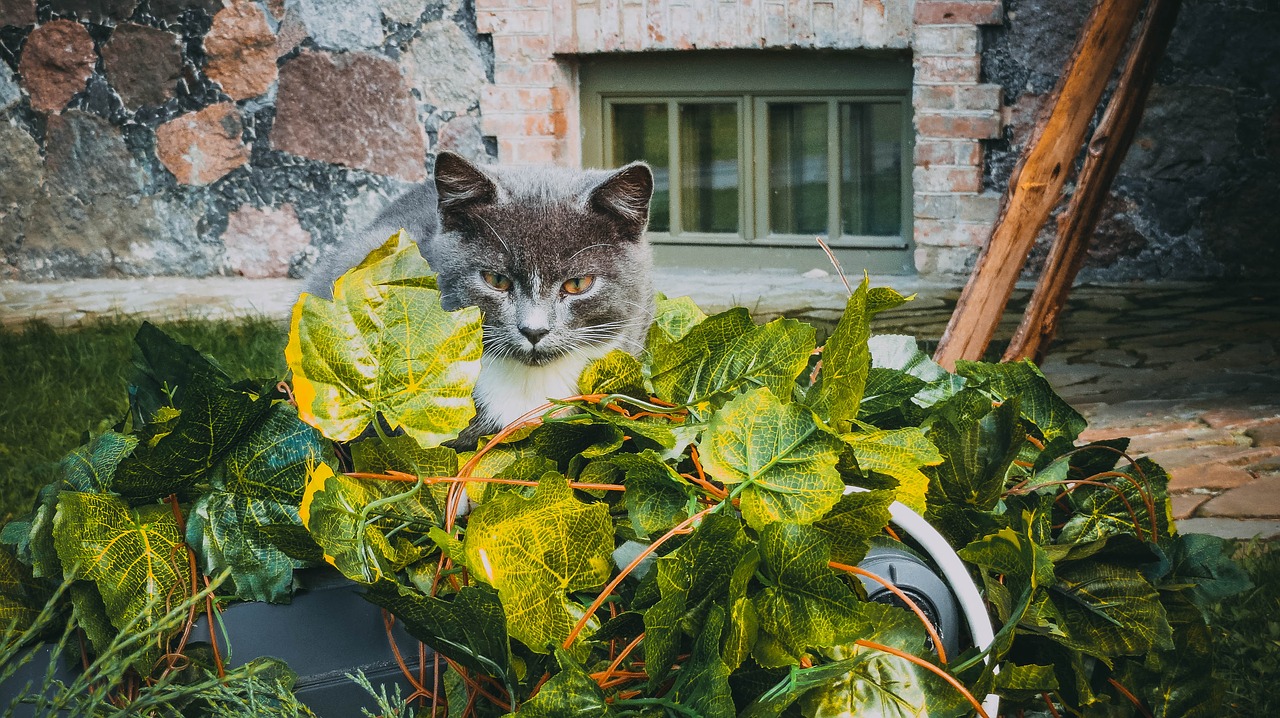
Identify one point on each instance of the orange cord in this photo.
(928, 626)
(930, 667)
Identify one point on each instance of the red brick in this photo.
(981, 208)
(978, 97)
(934, 152)
(517, 48)
(968, 153)
(940, 178)
(945, 40)
(935, 70)
(934, 206)
(934, 97)
(526, 74)
(514, 22)
(937, 12)
(534, 151)
(969, 126)
(948, 233)
(518, 99)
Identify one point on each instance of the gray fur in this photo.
(539, 227)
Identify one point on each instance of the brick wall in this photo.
(532, 108)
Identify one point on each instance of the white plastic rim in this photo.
(956, 576)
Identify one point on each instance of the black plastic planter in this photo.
(327, 632)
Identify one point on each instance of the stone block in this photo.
(10, 93)
(201, 147)
(142, 64)
(241, 50)
(341, 24)
(57, 60)
(1185, 505)
(405, 12)
(263, 242)
(462, 135)
(1242, 417)
(101, 12)
(445, 66)
(966, 12)
(86, 158)
(352, 109)
(1265, 435)
(1206, 476)
(17, 12)
(1255, 500)
(1181, 438)
(22, 169)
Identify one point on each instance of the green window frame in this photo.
(838, 95)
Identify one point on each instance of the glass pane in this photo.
(709, 168)
(871, 169)
(640, 133)
(798, 168)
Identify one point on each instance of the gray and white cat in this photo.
(557, 259)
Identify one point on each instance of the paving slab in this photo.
(1184, 505)
(1231, 528)
(1212, 476)
(1259, 499)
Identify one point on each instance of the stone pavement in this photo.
(1190, 371)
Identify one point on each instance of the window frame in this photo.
(753, 80)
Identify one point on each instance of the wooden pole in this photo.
(1037, 181)
(1107, 150)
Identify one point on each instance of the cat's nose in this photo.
(534, 334)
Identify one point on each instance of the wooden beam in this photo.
(1036, 184)
(1107, 150)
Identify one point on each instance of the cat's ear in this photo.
(460, 183)
(624, 196)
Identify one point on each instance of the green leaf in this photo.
(698, 571)
(1023, 381)
(899, 453)
(260, 484)
(901, 353)
(1109, 610)
(656, 498)
(615, 373)
(91, 467)
(774, 457)
(805, 605)
(978, 444)
(163, 370)
(886, 400)
(743, 622)
(21, 597)
(1203, 563)
(570, 693)
(882, 684)
(135, 556)
(676, 317)
(470, 629)
(837, 395)
(728, 354)
(535, 550)
(214, 419)
(1099, 512)
(360, 548)
(384, 346)
(91, 615)
(882, 299)
(1025, 681)
(702, 683)
(856, 518)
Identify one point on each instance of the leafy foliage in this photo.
(673, 544)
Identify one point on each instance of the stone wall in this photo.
(1196, 195)
(198, 137)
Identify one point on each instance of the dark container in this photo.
(327, 632)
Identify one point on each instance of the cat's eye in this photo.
(499, 282)
(578, 285)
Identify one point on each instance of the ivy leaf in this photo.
(213, 420)
(570, 693)
(331, 510)
(702, 684)
(260, 484)
(856, 518)
(805, 606)
(837, 395)
(1099, 512)
(1109, 610)
(90, 615)
(470, 629)
(21, 597)
(886, 400)
(615, 373)
(535, 550)
(901, 353)
(676, 317)
(1022, 682)
(90, 468)
(727, 354)
(899, 453)
(385, 347)
(979, 444)
(1022, 380)
(743, 622)
(656, 497)
(648, 431)
(1203, 564)
(882, 684)
(135, 556)
(773, 456)
(698, 571)
(163, 370)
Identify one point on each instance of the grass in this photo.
(58, 384)
(1247, 636)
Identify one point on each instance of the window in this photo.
(762, 150)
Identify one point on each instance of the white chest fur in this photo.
(507, 389)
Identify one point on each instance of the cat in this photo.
(557, 260)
